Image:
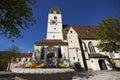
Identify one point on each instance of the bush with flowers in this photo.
(47, 65)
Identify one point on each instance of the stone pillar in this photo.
(57, 55)
(45, 56)
(34, 58)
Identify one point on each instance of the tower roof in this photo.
(55, 10)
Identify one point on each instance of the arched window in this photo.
(42, 53)
(55, 17)
(59, 53)
(91, 47)
(19, 59)
(26, 59)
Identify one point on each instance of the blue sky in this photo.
(77, 12)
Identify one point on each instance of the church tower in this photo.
(54, 29)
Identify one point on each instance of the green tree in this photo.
(109, 34)
(5, 57)
(15, 15)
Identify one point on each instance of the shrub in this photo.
(77, 65)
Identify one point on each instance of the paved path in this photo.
(96, 75)
(6, 75)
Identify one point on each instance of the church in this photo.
(72, 43)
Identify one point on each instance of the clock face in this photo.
(53, 22)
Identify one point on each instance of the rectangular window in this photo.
(74, 58)
(76, 50)
(53, 36)
(54, 28)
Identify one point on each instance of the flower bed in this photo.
(47, 65)
(48, 71)
(43, 74)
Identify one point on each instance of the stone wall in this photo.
(55, 76)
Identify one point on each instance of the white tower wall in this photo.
(54, 31)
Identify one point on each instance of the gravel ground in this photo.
(96, 75)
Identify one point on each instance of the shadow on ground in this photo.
(83, 74)
(6, 76)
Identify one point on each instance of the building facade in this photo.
(72, 43)
(20, 61)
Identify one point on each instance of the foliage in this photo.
(10, 54)
(109, 34)
(3, 67)
(77, 65)
(15, 15)
(47, 65)
(5, 57)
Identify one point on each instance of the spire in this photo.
(55, 10)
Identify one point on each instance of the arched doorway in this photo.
(50, 57)
(102, 64)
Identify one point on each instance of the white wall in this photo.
(94, 65)
(74, 47)
(95, 42)
(72, 38)
(54, 36)
(65, 55)
(54, 31)
(51, 16)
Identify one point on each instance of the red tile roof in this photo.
(84, 32)
(26, 54)
(97, 55)
(51, 41)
